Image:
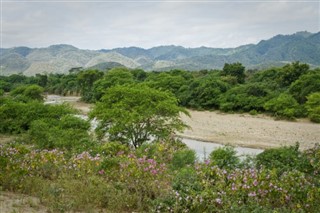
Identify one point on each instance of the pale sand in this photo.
(250, 131)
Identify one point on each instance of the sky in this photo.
(190, 23)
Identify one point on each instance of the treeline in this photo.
(288, 92)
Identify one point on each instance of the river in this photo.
(202, 149)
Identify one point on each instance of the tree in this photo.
(313, 107)
(284, 106)
(26, 93)
(305, 85)
(135, 114)
(236, 70)
(291, 72)
(116, 76)
(86, 80)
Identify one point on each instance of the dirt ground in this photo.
(18, 203)
(244, 130)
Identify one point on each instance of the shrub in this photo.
(283, 106)
(183, 158)
(224, 157)
(284, 159)
(69, 133)
(313, 107)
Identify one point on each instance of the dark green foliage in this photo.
(4, 85)
(291, 72)
(187, 180)
(235, 70)
(69, 133)
(283, 106)
(139, 74)
(313, 107)
(205, 92)
(183, 158)
(86, 80)
(116, 76)
(245, 97)
(224, 157)
(16, 116)
(284, 159)
(305, 85)
(166, 82)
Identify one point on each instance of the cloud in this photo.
(96, 25)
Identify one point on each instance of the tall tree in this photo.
(135, 114)
(235, 70)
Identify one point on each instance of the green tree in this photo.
(69, 133)
(305, 85)
(86, 80)
(291, 72)
(236, 70)
(25, 93)
(245, 97)
(116, 76)
(135, 114)
(313, 107)
(283, 106)
(205, 92)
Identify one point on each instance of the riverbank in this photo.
(242, 130)
(246, 130)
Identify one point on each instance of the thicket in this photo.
(281, 92)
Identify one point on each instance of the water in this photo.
(203, 149)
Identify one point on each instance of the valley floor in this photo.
(259, 131)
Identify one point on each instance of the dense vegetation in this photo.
(288, 92)
(132, 162)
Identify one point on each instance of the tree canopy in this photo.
(137, 113)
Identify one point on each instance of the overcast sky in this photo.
(110, 24)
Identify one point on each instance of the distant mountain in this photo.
(281, 49)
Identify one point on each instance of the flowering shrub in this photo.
(85, 164)
(144, 178)
(144, 183)
(45, 163)
(221, 190)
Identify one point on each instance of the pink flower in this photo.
(252, 194)
(218, 200)
(101, 172)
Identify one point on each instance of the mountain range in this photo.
(276, 51)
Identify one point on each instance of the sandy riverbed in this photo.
(250, 131)
(240, 129)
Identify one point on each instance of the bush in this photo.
(183, 158)
(224, 157)
(313, 107)
(69, 133)
(16, 117)
(284, 159)
(26, 93)
(283, 106)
